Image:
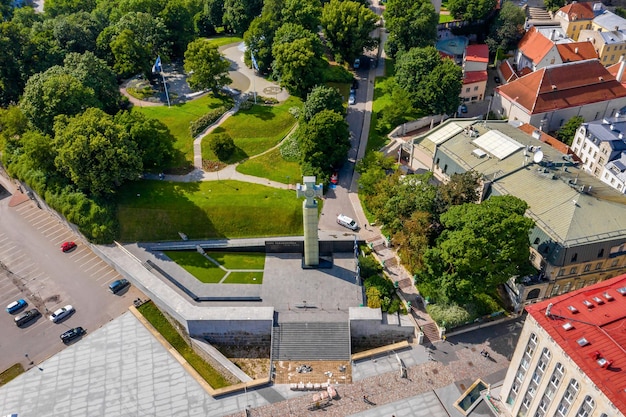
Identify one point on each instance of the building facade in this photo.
(609, 46)
(570, 356)
(577, 16)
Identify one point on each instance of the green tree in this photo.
(259, 39)
(393, 114)
(413, 239)
(481, 247)
(306, 13)
(471, 10)
(53, 93)
(298, 62)
(95, 153)
(433, 82)
(54, 8)
(321, 98)
(347, 26)
(42, 51)
(210, 69)
(76, 32)
(554, 5)
(567, 132)
(239, 13)
(222, 145)
(178, 19)
(153, 139)
(507, 29)
(372, 169)
(460, 189)
(131, 56)
(410, 23)
(12, 78)
(324, 141)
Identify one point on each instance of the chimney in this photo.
(620, 72)
(576, 50)
(552, 34)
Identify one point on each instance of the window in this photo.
(598, 265)
(561, 272)
(557, 374)
(536, 241)
(587, 268)
(601, 253)
(467, 90)
(566, 287)
(614, 263)
(574, 257)
(555, 290)
(573, 270)
(586, 408)
(476, 88)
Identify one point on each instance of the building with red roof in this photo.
(547, 98)
(576, 51)
(571, 355)
(535, 51)
(577, 16)
(475, 61)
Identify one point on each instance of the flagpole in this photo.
(165, 85)
(255, 66)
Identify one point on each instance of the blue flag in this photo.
(157, 65)
(254, 63)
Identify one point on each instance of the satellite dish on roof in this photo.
(538, 157)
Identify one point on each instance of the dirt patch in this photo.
(335, 372)
(254, 361)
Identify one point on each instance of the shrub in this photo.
(384, 286)
(449, 316)
(200, 124)
(290, 149)
(337, 74)
(369, 266)
(373, 297)
(222, 146)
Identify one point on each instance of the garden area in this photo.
(222, 267)
(159, 210)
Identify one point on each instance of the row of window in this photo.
(568, 286)
(574, 270)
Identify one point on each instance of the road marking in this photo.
(53, 227)
(62, 232)
(36, 223)
(88, 262)
(29, 215)
(99, 270)
(45, 224)
(95, 265)
(84, 255)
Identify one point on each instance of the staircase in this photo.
(431, 331)
(314, 341)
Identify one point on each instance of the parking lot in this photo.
(33, 267)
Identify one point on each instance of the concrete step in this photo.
(431, 331)
(311, 341)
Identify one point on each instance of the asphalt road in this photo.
(34, 268)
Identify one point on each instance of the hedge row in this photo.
(199, 125)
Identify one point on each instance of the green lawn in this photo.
(11, 373)
(239, 260)
(255, 130)
(273, 167)
(158, 210)
(225, 40)
(165, 328)
(244, 278)
(178, 117)
(443, 18)
(198, 266)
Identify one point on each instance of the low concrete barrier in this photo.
(383, 349)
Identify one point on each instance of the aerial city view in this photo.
(293, 208)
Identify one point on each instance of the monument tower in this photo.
(309, 214)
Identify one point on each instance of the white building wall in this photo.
(612, 180)
(475, 66)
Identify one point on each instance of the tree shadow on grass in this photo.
(262, 112)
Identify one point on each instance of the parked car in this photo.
(16, 306)
(352, 99)
(496, 79)
(348, 222)
(119, 285)
(61, 313)
(72, 334)
(357, 63)
(355, 84)
(26, 316)
(68, 246)
(463, 108)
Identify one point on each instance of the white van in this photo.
(346, 221)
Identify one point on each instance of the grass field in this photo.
(198, 266)
(244, 278)
(11, 373)
(255, 130)
(165, 328)
(177, 118)
(158, 210)
(273, 167)
(225, 40)
(239, 260)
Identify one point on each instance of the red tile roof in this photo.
(474, 76)
(554, 87)
(576, 51)
(578, 11)
(477, 53)
(507, 72)
(599, 318)
(550, 140)
(614, 70)
(534, 45)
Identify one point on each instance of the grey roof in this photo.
(618, 167)
(613, 36)
(610, 21)
(553, 190)
(612, 131)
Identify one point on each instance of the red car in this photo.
(68, 246)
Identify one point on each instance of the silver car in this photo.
(61, 313)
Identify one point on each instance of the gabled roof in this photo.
(588, 325)
(577, 11)
(507, 71)
(554, 87)
(477, 53)
(550, 140)
(610, 21)
(470, 77)
(576, 51)
(534, 45)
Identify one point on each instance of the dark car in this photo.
(463, 108)
(355, 84)
(496, 79)
(72, 334)
(27, 316)
(119, 285)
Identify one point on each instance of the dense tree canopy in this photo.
(239, 13)
(410, 23)
(210, 69)
(507, 29)
(471, 9)
(321, 98)
(95, 153)
(55, 8)
(481, 247)
(433, 82)
(567, 132)
(347, 26)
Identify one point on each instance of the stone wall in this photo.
(232, 332)
(371, 328)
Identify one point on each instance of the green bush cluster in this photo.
(369, 266)
(290, 149)
(199, 125)
(381, 293)
(449, 316)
